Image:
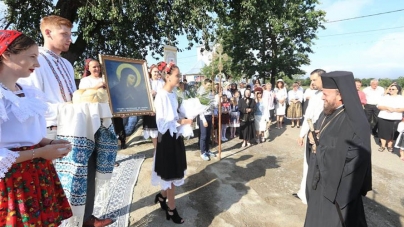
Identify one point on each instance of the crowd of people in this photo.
(36, 82)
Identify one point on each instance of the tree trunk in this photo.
(76, 49)
(68, 9)
(274, 68)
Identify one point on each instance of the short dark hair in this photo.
(318, 71)
(358, 80)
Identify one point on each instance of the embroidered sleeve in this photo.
(7, 159)
(165, 118)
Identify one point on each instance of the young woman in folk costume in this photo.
(149, 121)
(92, 76)
(30, 190)
(170, 160)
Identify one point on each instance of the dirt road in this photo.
(253, 186)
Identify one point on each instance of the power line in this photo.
(370, 15)
(348, 33)
(360, 43)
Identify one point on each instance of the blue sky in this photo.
(378, 54)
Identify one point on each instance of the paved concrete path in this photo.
(253, 186)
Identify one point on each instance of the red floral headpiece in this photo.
(169, 67)
(6, 38)
(161, 65)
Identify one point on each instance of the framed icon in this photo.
(128, 85)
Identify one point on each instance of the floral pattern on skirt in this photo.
(31, 195)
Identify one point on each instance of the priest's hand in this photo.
(311, 139)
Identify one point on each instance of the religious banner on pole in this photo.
(170, 54)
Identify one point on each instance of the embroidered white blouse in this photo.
(54, 77)
(292, 94)
(166, 105)
(280, 94)
(156, 85)
(22, 123)
(89, 82)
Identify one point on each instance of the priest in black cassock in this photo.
(340, 169)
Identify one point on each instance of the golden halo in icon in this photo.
(128, 66)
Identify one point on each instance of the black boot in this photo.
(174, 216)
(159, 198)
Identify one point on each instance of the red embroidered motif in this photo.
(6, 38)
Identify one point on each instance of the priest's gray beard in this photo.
(329, 107)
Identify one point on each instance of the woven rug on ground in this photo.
(123, 180)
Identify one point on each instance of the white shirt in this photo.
(373, 96)
(281, 94)
(89, 82)
(394, 102)
(300, 89)
(22, 123)
(54, 77)
(227, 93)
(242, 90)
(313, 111)
(292, 94)
(268, 99)
(156, 85)
(309, 93)
(166, 106)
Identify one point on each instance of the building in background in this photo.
(204, 58)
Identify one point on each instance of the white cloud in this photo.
(381, 59)
(342, 9)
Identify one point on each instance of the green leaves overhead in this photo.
(270, 36)
(129, 28)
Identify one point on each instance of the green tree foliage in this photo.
(400, 81)
(129, 28)
(213, 69)
(269, 36)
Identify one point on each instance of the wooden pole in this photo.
(220, 67)
(212, 130)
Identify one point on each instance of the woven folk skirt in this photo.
(294, 111)
(32, 195)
